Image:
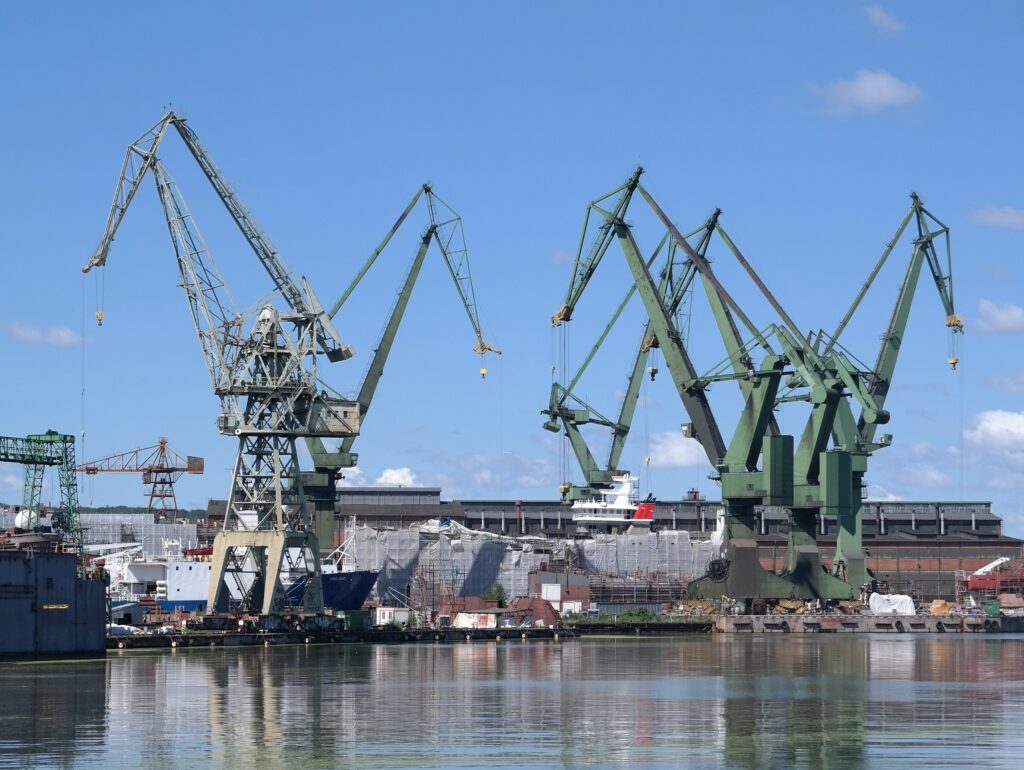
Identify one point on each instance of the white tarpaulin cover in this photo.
(440, 559)
(891, 604)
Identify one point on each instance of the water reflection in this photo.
(745, 701)
(49, 712)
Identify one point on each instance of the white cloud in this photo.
(1013, 383)
(921, 449)
(882, 20)
(998, 429)
(880, 494)
(353, 477)
(561, 257)
(996, 442)
(673, 450)
(998, 216)
(867, 91)
(397, 477)
(56, 336)
(478, 475)
(1000, 318)
(924, 475)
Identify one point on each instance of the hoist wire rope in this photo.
(82, 401)
(960, 437)
(644, 406)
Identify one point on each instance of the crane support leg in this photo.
(254, 561)
(739, 573)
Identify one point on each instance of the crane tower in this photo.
(263, 366)
(160, 467)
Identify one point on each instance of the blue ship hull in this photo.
(342, 590)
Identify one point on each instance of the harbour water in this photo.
(892, 701)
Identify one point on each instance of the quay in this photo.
(865, 624)
(207, 639)
(700, 624)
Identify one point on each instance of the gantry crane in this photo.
(160, 467)
(871, 384)
(36, 453)
(263, 366)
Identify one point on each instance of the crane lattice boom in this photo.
(263, 367)
(160, 467)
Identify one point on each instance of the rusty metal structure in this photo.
(160, 467)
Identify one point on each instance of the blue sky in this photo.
(807, 123)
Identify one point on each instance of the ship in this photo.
(181, 583)
(617, 510)
(342, 590)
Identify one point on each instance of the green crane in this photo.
(736, 462)
(874, 383)
(827, 480)
(566, 410)
(36, 453)
(445, 229)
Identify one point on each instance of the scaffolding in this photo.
(432, 565)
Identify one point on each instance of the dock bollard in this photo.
(174, 643)
(266, 642)
(556, 636)
(469, 638)
(307, 640)
(120, 645)
(497, 638)
(523, 636)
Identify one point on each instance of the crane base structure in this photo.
(252, 562)
(739, 574)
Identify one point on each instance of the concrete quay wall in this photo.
(864, 624)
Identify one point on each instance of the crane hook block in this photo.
(99, 318)
(953, 361)
(483, 373)
(653, 371)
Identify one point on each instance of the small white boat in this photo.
(617, 508)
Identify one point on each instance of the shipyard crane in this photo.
(756, 468)
(735, 463)
(160, 467)
(445, 229)
(813, 478)
(827, 480)
(858, 435)
(37, 453)
(263, 366)
(566, 410)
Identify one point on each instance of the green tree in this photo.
(496, 593)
